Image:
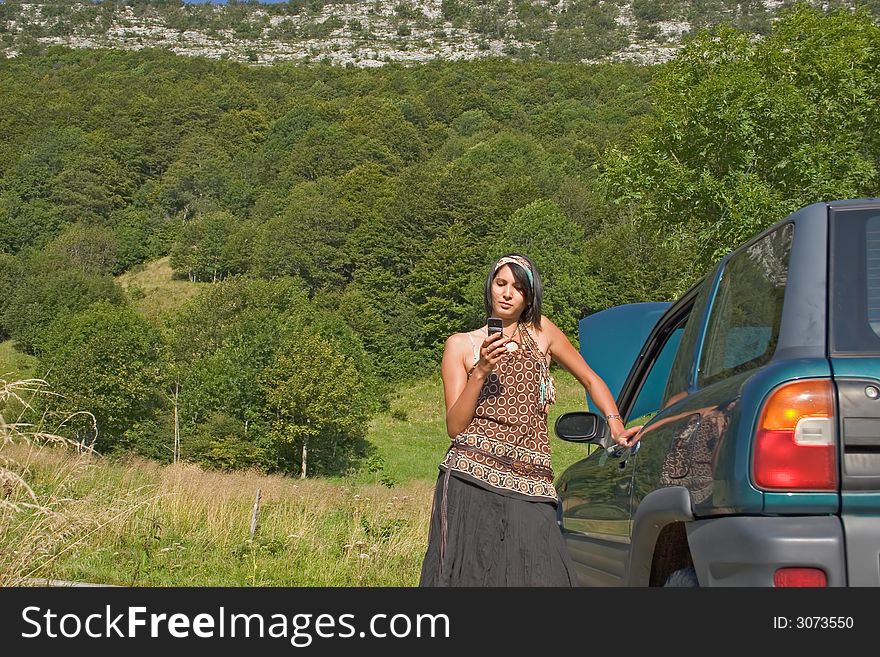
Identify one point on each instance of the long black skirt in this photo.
(495, 540)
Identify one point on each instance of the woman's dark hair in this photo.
(533, 289)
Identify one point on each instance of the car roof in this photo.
(807, 214)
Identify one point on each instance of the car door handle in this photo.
(622, 453)
(618, 452)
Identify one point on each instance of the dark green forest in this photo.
(339, 222)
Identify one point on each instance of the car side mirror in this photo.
(581, 427)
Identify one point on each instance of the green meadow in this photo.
(411, 438)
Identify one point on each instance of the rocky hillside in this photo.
(367, 33)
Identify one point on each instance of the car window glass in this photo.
(744, 323)
(650, 396)
(682, 366)
(872, 272)
(854, 311)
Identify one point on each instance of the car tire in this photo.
(684, 577)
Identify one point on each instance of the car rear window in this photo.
(855, 282)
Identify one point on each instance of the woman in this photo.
(493, 521)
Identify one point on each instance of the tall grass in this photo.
(192, 527)
(67, 513)
(41, 519)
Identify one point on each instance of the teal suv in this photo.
(759, 391)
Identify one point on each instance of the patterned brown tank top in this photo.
(506, 446)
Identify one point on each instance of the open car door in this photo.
(611, 340)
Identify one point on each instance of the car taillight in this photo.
(789, 577)
(795, 446)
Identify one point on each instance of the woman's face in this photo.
(508, 298)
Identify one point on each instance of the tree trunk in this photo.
(176, 423)
(305, 455)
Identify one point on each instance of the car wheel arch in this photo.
(658, 529)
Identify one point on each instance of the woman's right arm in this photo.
(461, 391)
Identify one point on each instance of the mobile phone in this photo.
(494, 324)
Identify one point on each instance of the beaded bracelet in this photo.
(612, 416)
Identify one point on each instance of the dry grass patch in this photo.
(41, 515)
(192, 527)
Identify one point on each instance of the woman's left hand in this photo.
(628, 437)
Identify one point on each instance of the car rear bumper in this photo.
(747, 550)
(862, 549)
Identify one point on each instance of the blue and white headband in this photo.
(516, 260)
